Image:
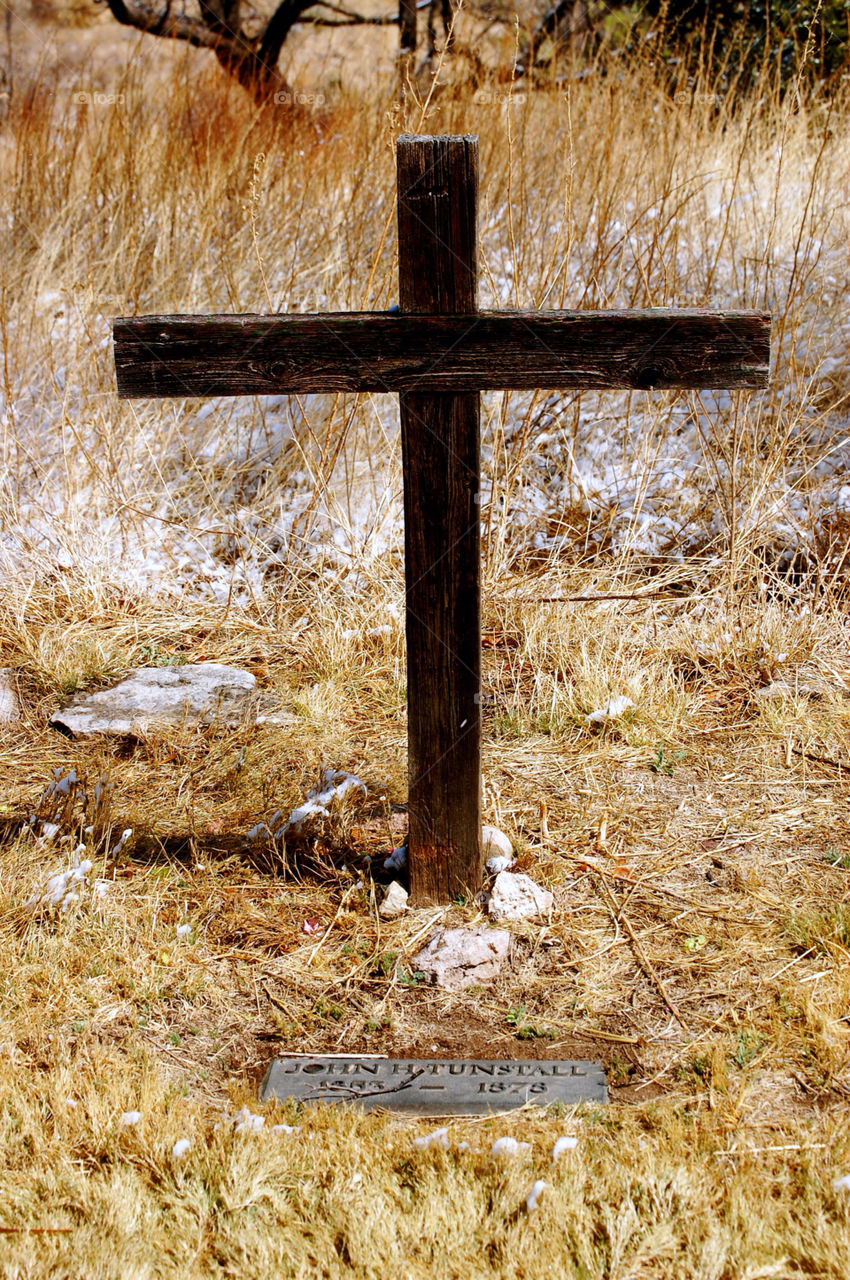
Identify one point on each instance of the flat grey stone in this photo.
(434, 1087)
(457, 958)
(10, 710)
(201, 693)
(395, 901)
(517, 897)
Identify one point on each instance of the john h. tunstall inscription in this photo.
(434, 1086)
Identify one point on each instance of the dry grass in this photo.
(698, 848)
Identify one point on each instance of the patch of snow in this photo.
(61, 889)
(181, 1146)
(335, 786)
(531, 1200)
(567, 1143)
(246, 1121)
(129, 1117)
(509, 1147)
(439, 1138)
(613, 708)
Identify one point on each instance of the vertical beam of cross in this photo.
(438, 274)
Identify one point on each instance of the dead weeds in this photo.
(697, 845)
(698, 946)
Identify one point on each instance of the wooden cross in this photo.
(438, 352)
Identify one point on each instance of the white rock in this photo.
(457, 958)
(613, 708)
(130, 1117)
(181, 1146)
(395, 901)
(205, 693)
(496, 849)
(183, 930)
(517, 897)
(10, 710)
(495, 843)
(842, 1184)
(509, 1147)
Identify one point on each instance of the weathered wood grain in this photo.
(159, 356)
(438, 272)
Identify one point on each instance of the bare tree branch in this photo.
(355, 19)
(578, 30)
(176, 26)
(250, 60)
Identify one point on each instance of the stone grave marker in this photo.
(437, 1087)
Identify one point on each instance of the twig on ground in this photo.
(644, 960)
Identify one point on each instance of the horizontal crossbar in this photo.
(158, 356)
